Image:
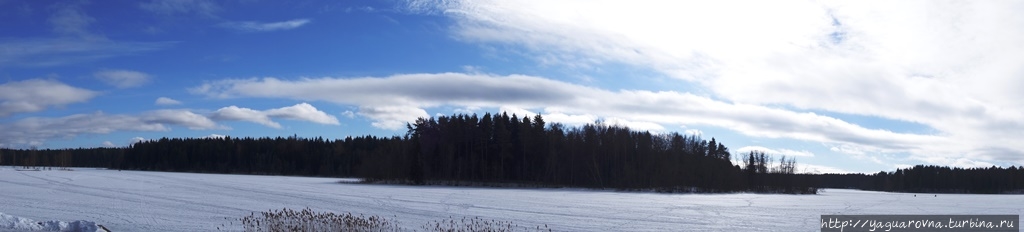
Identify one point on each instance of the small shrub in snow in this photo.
(307, 220)
(477, 224)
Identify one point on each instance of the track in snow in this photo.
(162, 201)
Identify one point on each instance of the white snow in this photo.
(12, 223)
(160, 201)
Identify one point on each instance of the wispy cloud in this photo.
(165, 101)
(35, 95)
(69, 20)
(123, 78)
(172, 7)
(74, 41)
(249, 26)
(45, 52)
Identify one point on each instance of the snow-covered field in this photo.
(159, 201)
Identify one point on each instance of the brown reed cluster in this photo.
(308, 220)
(476, 224)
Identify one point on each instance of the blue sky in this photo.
(842, 86)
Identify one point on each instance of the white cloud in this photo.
(107, 144)
(249, 26)
(819, 169)
(214, 136)
(36, 130)
(348, 114)
(301, 111)
(137, 140)
(393, 101)
(634, 125)
(304, 112)
(69, 20)
(950, 66)
(571, 120)
(776, 152)
(516, 111)
(38, 52)
(467, 110)
(74, 42)
(392, 117)
(165, 101)
(235, 113)
(181, 117)
(35, 95)
(122, 78)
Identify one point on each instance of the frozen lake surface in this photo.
(163, 201)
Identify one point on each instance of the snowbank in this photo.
(11, 222)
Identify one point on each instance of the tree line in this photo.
(500, 148)
(464, 149)
(933, 179)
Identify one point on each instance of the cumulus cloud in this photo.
(122, 78)
(302, 112)
(165, 101)
(249, 26)
(107, 144)
(38, 94)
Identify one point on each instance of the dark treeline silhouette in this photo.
(77, 157)
(499, 148)
(933, 179)
(465, 149)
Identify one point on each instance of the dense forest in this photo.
(498, 149)
(461, 149)
(933, 179)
